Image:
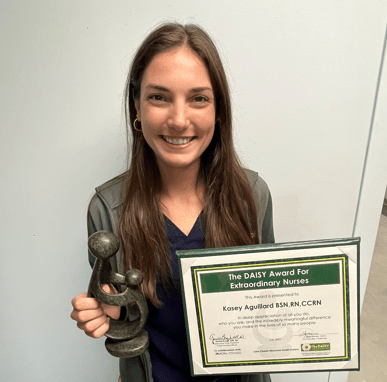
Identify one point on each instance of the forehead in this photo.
(178, 66)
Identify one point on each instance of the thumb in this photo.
(109, 288)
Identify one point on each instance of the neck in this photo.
(182, 183)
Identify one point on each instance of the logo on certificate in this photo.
(315, 347)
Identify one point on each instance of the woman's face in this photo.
(177, 108)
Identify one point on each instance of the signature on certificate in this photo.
(307, 334)
(223, 338)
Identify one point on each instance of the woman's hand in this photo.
(93, 317)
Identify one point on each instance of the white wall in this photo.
(303, 76)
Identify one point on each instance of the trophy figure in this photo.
(125, 339)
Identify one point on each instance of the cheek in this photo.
(152, 118)
(207, 126)
(205, 121)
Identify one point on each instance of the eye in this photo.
(200, 99)
(156, 97)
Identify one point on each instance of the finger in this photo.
(92, 325)
(79, 296)
(86, 315)
(99, 332)
(82, 302)
(112, 311)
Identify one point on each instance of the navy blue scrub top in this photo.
(168, 346)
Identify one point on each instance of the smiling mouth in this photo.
(177, 141)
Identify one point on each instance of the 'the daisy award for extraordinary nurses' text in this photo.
(272, 308)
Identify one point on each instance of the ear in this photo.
(137, 104)
(138, 109)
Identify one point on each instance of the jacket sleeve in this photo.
(264, 204)
(267, 224)
(260, 377)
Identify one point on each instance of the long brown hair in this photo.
(230, 213)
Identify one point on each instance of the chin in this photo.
(179, 165)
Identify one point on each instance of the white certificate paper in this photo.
(272, 308)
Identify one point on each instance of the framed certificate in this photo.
(272, 308)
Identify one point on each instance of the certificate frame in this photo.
(230, 328)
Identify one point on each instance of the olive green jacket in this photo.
(104, 214)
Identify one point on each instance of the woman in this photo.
(184, 189)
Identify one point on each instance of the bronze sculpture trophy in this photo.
(125, 339)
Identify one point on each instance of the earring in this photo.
(134, 125)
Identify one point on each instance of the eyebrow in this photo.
(200, 89)
(164, 89)
(157, 87)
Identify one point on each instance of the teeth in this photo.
(175, 141)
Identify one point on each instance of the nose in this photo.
(178, 118)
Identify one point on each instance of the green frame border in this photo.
(343, 259)
(269, 248)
